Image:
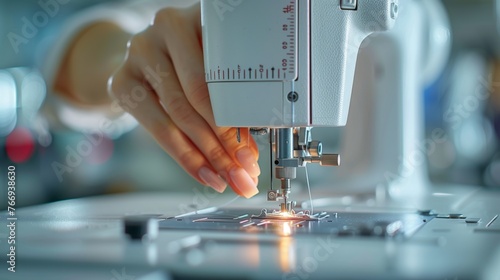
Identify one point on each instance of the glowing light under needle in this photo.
(287, 230)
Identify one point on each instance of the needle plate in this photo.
(339, 223)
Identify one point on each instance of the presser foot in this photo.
(286, 206)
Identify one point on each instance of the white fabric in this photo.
(131, 15)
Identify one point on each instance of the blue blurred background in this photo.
(128, 163)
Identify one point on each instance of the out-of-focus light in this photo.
(33, 91)
(84, 120)
(20, 145)
(441, 194)
(8, 103)
(102, 151)
(287, 256)
(286, 214)
(493, 173)
(473, 139)
(287, 231)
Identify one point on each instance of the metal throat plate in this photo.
(338, 223)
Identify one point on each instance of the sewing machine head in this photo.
(285, 66)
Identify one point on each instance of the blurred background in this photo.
(57, 162)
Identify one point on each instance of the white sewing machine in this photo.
(286, 65)
(290, 65)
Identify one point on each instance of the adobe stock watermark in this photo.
(201, 199)
(324, 248)
(360, 41)
(83, 149)
(453, 117)
(130, 101)
(458, 112)
(122, 275)
(417, 157)
(75, 154)
(225, 6)
(30, 27)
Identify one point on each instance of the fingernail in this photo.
(243, 182)
(256, 180)
(247, 160)
(212, 179)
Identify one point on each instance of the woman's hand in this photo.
(162, 84)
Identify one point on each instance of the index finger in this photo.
(187, 56)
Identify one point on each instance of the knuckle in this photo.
(217, 155)
(162, 132)
(166, 16)
(229, 134)
(177, 108)
(137, 45)
(186, 157)
(198, 94)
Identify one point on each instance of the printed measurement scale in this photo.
(252, 50)
(268, 53)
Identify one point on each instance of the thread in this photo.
(208, 209)
(309, 190)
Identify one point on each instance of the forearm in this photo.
(90, 60)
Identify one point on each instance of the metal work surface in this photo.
(87, 239)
